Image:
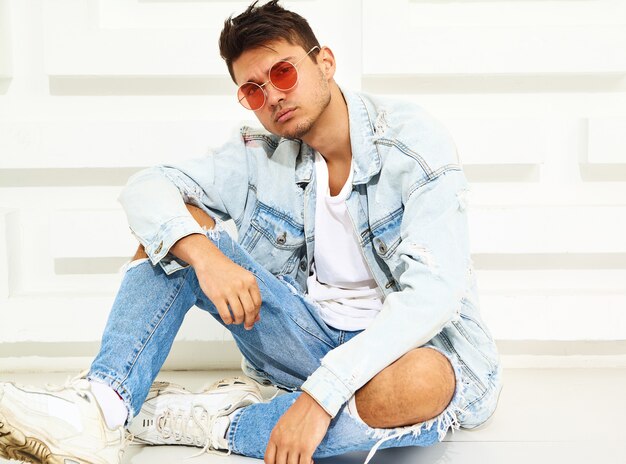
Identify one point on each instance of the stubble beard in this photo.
(321, 102)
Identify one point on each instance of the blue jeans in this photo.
(283, 349)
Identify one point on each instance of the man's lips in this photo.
(284, 115)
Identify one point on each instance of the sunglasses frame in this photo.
(269, 81)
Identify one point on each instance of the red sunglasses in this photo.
(283, 75)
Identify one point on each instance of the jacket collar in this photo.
(366, 160)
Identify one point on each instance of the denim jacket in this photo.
(407, 207)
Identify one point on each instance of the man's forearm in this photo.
(197, 249)
(192, 246)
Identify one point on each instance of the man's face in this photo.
(291, 113)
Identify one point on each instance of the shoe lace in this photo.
(194, 428)
(127, 440)
(78, 383)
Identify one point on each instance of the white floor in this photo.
(545, 416)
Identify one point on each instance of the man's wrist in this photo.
(327, 389)
(312, 404)
(194, 249)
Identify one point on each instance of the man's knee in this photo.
(414, 389)
(434, 376)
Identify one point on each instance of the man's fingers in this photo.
(256, 295)
(270, 453)
(294, 458)
(250, 312)
(281, 456)
(222, 309)
(236, 309)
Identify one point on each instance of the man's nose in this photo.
(274, 95)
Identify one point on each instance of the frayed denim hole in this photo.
(132, 264)
(425, 256)
(462, 197)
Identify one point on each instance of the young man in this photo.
(350, 285)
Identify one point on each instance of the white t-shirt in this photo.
(341, 283)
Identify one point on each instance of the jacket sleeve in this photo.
(434, 277)
(154, 199)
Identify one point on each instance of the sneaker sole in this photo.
(16, 445)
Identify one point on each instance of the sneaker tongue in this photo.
(65, 411)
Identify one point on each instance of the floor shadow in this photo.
(435, 454)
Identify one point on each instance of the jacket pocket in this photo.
(274, 240)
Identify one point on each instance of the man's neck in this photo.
(330, 135)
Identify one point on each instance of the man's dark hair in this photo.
(259, 25)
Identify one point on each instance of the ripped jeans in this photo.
(282, 349)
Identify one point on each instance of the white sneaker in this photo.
(56, 425)
(172, 415)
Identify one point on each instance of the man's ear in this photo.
(326, 59)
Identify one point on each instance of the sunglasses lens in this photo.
(284, 75)
(251, 96)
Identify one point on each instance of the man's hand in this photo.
(230, 287)
(298, 433)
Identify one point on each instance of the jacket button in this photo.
(303, 265)
(382, 248)
(282, 239)
(159, 248)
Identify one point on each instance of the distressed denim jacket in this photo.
(406, 204)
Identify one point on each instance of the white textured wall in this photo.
(534, 93)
